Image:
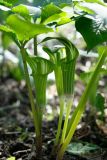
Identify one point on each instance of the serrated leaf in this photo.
(94, 31)
(25, 30)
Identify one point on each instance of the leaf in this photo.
(96, 1)
(25, 30)
(4, 3)
(3, 8)
(11, 158)
(60, 19)
(11, 1)
(5, 29)
(10, 33)
(26, 11)
(49, 11)
(96, 9)
(82, 149)
(85, 8)
(94, 31)
(21, 9)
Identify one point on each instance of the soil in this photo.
(17, 137)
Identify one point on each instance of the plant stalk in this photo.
(81, 107)
(68, 109)
(62, 102)
(34, 109)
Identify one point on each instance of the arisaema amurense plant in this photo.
(64, 75)
(25, 23)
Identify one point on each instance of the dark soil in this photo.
(17, 137)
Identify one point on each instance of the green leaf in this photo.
(11, 158)
(82, 149)
(4, 3)
(5, 29)
(49, 10)
(3, 8)
(96, 1)
(21, 9)
(60, 19)
(10, 1)
(85, 8)
(10, 33)
(94, 31)
(25, 30)
(26, 11)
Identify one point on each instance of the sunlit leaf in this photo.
(61, 18)
(24, 29)
(95, 1)
(10, 33)
(49, 11)
(21, 9)
(3, 8)
(11, 158)
(26, 11)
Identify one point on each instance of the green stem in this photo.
(62, 100)
(68, 109)
(34, 110)
(40, 82)
(81, 107)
